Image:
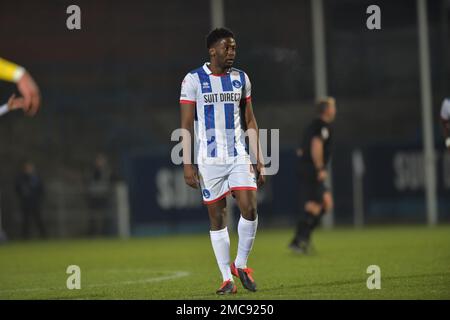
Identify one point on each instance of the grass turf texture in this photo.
(414, 262)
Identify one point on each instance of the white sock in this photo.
(246, 232)
(221, 245)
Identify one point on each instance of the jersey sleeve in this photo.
(188, 90)
(321, 131)
(10, 71)
(317, 131)
(445, 110)
(248, 88)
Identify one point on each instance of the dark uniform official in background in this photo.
(99, 192)
(30, 191)
(314, 155)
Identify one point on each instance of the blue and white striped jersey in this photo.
(219, 136)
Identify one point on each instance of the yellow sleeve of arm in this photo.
(10, 71)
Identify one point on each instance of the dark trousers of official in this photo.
(310, 190)
(32, 214)
(97, 222)
(99, 208)
(308, 222)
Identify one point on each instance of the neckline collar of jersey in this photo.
(209, 72)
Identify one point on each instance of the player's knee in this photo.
(249, 212)
(313, 207)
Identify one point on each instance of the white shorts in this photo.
(217, 181)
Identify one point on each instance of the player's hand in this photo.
(261, 174)
(191, 176)
(322, 175)
(31, 94)
(16, 103)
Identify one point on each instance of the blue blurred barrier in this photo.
(161, 202)
(394, 183)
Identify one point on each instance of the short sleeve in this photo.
(248, 87)
(10, 71)
(445, 109)
(321, 132)
(188, 90)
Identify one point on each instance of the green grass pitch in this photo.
(414, 262)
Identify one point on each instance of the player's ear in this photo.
(212, 52)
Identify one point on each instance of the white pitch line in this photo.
(174, 275)
(177, 274)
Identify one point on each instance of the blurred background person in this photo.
(314, 155)
(99, 195)
(30, 191)
(445, 120)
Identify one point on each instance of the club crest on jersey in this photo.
(205, 85)
(237, 84)
(206, 193)
(325, 133)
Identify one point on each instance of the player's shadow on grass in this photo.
(349, 282)
(310, 285)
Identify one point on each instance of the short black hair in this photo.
(216, 35)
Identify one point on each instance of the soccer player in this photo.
(445, 120)
(216, 100)
(314, 154)
(25, 84)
